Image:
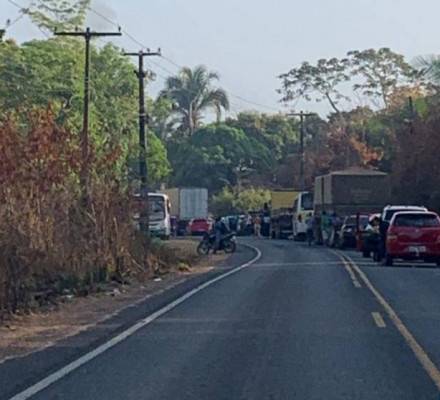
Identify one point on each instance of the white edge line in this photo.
(54, 377)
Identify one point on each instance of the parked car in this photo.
(389, 211)
(413, 235)
(199, 226)
(347, 237)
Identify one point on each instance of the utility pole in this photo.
(143, 168)
(302, 116)
(84, 174)
(411, 108)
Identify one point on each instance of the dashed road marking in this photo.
(416, 348)
(378, 320)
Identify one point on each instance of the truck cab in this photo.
(302, 207)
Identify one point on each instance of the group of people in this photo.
(259, 224)
(330, 225)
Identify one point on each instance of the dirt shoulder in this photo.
(25, 334)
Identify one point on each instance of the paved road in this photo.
(294, 325)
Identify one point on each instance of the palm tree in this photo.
(191, 95)
(429, 67)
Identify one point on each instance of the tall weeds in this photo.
(48, 241)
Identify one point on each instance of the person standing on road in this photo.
(257, 226)
(310, 222)
(249, 224)
(265, 226)
(326, 224)
(336, 225)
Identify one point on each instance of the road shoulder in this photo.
(18, 373)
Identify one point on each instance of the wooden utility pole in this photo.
(84, 175)
(413, 115)
(143, 168)
(302, 116)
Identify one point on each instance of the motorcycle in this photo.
(228, 244)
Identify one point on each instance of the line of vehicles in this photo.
(357, 198)
(357, 202)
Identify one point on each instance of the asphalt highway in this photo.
(298, 323)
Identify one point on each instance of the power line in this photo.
(15, 4)
(132, 38)
(22, 9)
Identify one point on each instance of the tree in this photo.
(252, 199)
(38, 73)
(278, 133)
(319, 82)
(160, 119)
(429, 67)
(49, 73)
(58, 14)
(213, 157)
(223, 203)
(383, 71)
(229, 201)
(191, 95)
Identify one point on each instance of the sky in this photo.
(250, 42)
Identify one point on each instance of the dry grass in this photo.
(26, 333)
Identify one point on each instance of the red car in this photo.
(412, 236)
(199, 226)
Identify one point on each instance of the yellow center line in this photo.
(348, 268)
(352, 275)
(418, 350)
(378, 320)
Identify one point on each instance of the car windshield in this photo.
(390, 213)
(307, 202)
(417, 221)
(351, 221)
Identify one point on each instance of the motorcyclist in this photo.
(220, 229)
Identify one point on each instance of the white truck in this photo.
(187, 204)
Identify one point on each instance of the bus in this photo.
(159, 207)
(159, 212)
